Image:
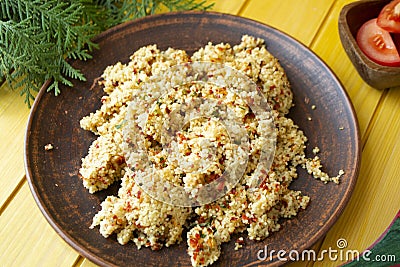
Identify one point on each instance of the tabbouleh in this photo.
(135, 216)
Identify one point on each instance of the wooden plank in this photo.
(26, 237)
(227, 6)
(328, 46)
(87, 263)
(300, 19)
(359, 225)
(376, 199)
(13, 117)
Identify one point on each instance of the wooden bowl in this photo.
(351, 18)
(69, 208)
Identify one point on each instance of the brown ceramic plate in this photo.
(68, 206)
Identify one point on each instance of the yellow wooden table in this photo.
(26, 239)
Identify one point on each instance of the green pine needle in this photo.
(38, 37)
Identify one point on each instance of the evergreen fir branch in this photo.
(49, 40)
(99, 13)
(38, 37)
(26, 90)
(82, 54)
(18, 50)
(69, 71)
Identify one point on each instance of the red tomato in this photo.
(389, 18)
(377, 44)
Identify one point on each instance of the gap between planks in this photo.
(373, 120)
(243, 7)
(78, 262)
(321, 25)
(13, 194)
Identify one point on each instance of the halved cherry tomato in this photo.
(389, 18)
(377, 44)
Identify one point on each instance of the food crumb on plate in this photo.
(239, 243)
(48, 147)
